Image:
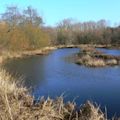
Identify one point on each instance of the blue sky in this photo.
(54, 11)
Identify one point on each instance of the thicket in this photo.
(70, 32)
(22, 30)
(25, 30)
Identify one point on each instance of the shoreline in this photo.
(26, 53)
(46, 50)
(43, 109)
(17, 104)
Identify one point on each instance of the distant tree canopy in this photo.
(22, 30)
(70, 32)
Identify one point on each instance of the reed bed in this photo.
(16, 103)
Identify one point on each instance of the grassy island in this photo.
(91, 57)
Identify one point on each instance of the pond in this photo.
(54, 74)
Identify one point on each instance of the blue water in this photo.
(114, 52)
(53, 75)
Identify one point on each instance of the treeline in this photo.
(70, 32)
(22, 30)
(25, 30)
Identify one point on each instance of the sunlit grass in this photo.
(91, 57)
(17, 104)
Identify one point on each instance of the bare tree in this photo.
(11, 16)
(31, 16)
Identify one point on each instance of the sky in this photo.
(53, 11)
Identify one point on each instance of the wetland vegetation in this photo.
(23, 33)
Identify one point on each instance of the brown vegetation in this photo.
(69, 31)
(24, 30)
(21, 31)
(93, 58)
(17, 104)
(26, 53)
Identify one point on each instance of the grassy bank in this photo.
(88, 49)
(4, 55)
(24, 53)
(16, 103)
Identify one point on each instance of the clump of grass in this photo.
(112, 62)
(93, 58)
(17, 104)
(12, 97)
(96, 63)
(87, 60)
(91, 111)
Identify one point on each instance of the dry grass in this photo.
(4, 55)
(1, 59)
(91, 57)
(17, 104)
(112, 62)
(87, 60)
(96, 63)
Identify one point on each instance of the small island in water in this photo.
(91, 57)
